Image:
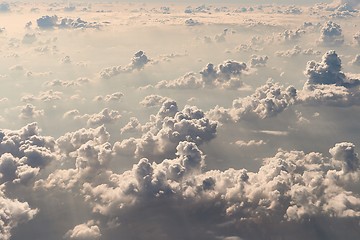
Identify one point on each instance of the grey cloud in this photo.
(267, 101)
(29, 111)
(13, 212)
(167, 128)
(297, 50)
(331, 34)
(132, 125)
(225, 75)
(4, 7)
(328, 71)
(137, 63)
(50, 22)
(47, 22)
(153, 100)
(291, 35)
(356, 60)
(105, 116)
(117, 96)
(191, 22)
(24, 153)
(356, 38)
(258, 61)
(29, 38)
(290, 187)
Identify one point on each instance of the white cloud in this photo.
(85, 231)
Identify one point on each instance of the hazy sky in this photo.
(179, 120)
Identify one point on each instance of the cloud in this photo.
(29, 111)
(50, 22)
(85, 231)
(296, 51)
(331, 34)
(258, 61)
(267, 101)
(105, 116)
(47, 22)
(356, 38)
(167, 128)
(250, 143)
(153, 100)
(4, 7)
(117, 96)
(356, 60)
(137, 63)
(191, 22)
(13, 212)
(225, 75)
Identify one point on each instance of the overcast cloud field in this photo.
(176, 120)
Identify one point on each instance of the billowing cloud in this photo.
(50, 22)
(225, 75)
(331, 34)
(137, 63)
(85, 231)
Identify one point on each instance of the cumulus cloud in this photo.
(85, 231)
(50, 22)
(296, 51)
(331, 34)
(29, 111)
(267, 101)
(13, 212)
(191, 22)
(137, 63)
(117, 96)
(169, 127)
(258, 61)
(226, 75)
(105, 116)
(153, 100)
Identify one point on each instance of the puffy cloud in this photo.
(153, 100)
(328, 71)
(356, 38)
(47, 22)
(132, 125)
(46, 96)
(188, 81)
(110, 97)
(291, 35)
(29, 111)
(258, 61)
(225, 75)
(345, 153)
(106, 116)
(250, 143)
(169, 127)
(85, 231)
(297, 50)
(12, 213)
(24, 153)
(191, 22)
(137, 63)
(267, 101)
(331, 34)
(50, 22)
